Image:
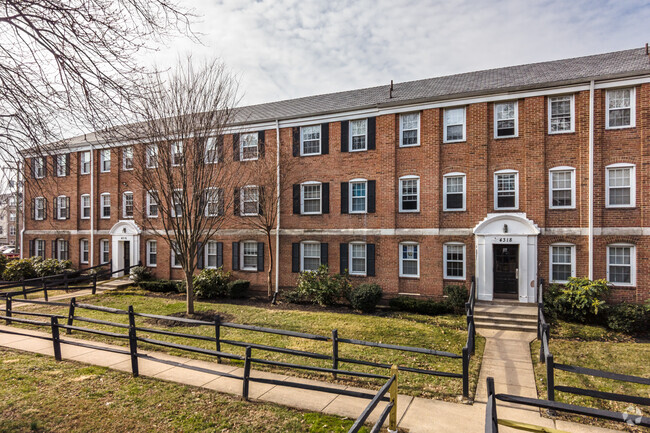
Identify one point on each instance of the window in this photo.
(454, 261)
(358, 196)
(39, 208)
(105, 160)
(152, 254)
(12, 199)
(39, 248)
(358, 135)
(152, 204)
(250, 200)
(211, 254)
(83, 251)
(152, 156)
(409, 260)
(561, 114)
(212, 151)
(177, 203)
(127, 204)
(62, 249)
(176, 263)
(249, 256)
(506, 186)
(39, 168)
(562, 188)
(85, 206)
(621, 264)
(621, 185)
(177, 153)
(62, 207)
(409, 194)
(310, 198)
(562, 263)
(621, 107)
(85, 162)
(127, 158)
(12, 217)
(409, 129)
(454, 125)
(357, 265)
(248, 147)
(505, 119)
(105, 203)
(12, 230)
(104, 251)
(310, 256)
(310, 140)
(213, 202)
(61, 165)
(454, 192)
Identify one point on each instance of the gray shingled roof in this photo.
(560, 72)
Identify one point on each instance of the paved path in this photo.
(414, 414)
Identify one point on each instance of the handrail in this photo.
(390, 410)
(470, 345)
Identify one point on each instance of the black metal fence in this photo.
(389, 411)
(470, 346)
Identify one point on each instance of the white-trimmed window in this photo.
(152, 204)
(176, 263)
(409, 259)
(12, 216)
(562, 262)
(453, 185)
(62, 249)
(454, 260)
(409, 129)
(62, 207)
(152, 156)
(127, 158)
(248, 147)
(39, 208)
(83, 251)
(309, 256)
(152, 253)
(61, 165)
(506, 119)
(454, 125)
(248, 251)
(127, 204)
(562, 188)
(39, 248)
(211, 255)
(249, 200)
(177, 203)
(177, 153)
(213, 202)
(409, 194)
(104, 251)
(85, 162)
(105, 204)
(12, 230)
(358, 135)
(620, 181)
(621, 264)
(39, 168)
(561, 114)
(358, 196)
(105, 160)
(621, 108)
(506, 189)
(311, 194)
(85, 206)
(310, 140)
(212, 150)
(358, 258)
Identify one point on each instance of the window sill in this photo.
(249, 270)
(561, 132)
(623, 285)
(614, 128)
(454, 141)
(357, 150)
(409, 145)
(455, 210)
(253, 159)
(311, 213)
(410, 277)
(455, 278)
(620, 207)
(151, 266)
(506, 137)
(562, 208)
(358, 212)
(359, 275)
(127, 169)
(152, 216)
(497, 209)
(409, 211)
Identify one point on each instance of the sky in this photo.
(282, 49)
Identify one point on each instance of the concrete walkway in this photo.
(414, 414)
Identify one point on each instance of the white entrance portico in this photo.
(506, 257)
(125, 244)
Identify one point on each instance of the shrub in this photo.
(365, 297)
(420, 306)
(456, 298)
(16, 270)
(159, 286)
(319, 287)
(628, 318)
(3, 263)
(580, 300)
(211, 283)
(238, 288)
(48, 267)
(140, 274)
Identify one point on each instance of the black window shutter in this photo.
(199, 255)
(260, 200)
(370, 257)
(31, 248)
(296, 140)
(235, 256)
(372, 196)
(219, 254)
(54, 214)
(44, 249)
(260, 256)
(220, 203)
(235, 147)
(323, 254)
(220, 148)
(260, 144)
(235, 201)
(54, 249)
(67, 164)
(345, 197)
(44, 208)
(45, 165)
(326, 197)
(344, 257)
(33, 168)
(295, 257)
(372, 126)
(296, 199)
(33, 212)
(345, 135)
(325, 138)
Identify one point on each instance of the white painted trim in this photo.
(401, 129)
(302, 198)
(320, 141)
(83, 152)
(632, 108)
(302, 253)
(241, 256)
(241, 200)
(550, 261)
(399, 183)
(147, 253)
(573, 114)
(102, 206)
(350, 201)
(350, 136)
(445, 177)
(632, 248)
(365, 259)
(445, 125)
(632, 168)
(124, 149)
(400, 259)
(103, 159)
(553, 170)
(590, 222)
(496, 193)
(444, 261)
(124, 204)
(82, 207)
(516, 118)
(241, 147)
(148, 204)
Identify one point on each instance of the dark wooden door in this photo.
(127, 254)
(506, 262)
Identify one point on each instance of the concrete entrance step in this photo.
(115, 283)
(513, 320)
(510, 325)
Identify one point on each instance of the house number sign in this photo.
(503, 240)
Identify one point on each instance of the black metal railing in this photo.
(390, 411)
(470, 346)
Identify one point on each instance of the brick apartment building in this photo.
(511, 175)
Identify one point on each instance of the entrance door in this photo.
(127, 254)
(506, 272)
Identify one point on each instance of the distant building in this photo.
(9, 220)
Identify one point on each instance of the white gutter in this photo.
(591, 180)
(92, 208)
(277, 229)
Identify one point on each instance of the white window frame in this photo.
(104, 160)
(444, 261)
(149, 200)
(350, 197)
(84, 207)
(59, 165)
(172, 250)
(496, 191)
(401, 260)
(255, 138)
(401, 129)
(84, 159)
(563, 168)
(59, 208)
(39, 168)
(176, 148)
(84, 249)
(516, 119)
(206, 253)
(124, 213)
(551, 263)
(12, 216)
(351, 257)
(351, 136)
(152, 156)
(207, 196)
(446, 124)
(409, 177)
(243, 266)
(40, 200)
(211, 152)
(632, 168)
(39, 248)
(104, 248)
(444, 191)
(320, 141)
(242, 194)
(102, 205)
(632, 108)
(302, 198)
(302, 254)
(173, 199)
(149, 252)
(62, 248)
(632, 248)
(127, 155)
(573, 113)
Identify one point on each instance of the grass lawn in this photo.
(595, 347)
(39, 394)
(446, 333)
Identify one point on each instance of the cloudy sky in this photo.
(283, 49)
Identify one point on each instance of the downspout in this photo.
(591, 180)
(277, 228)
(22, 205)
(92, 208)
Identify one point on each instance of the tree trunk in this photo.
(190, 292)
(269, 281)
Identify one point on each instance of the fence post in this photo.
(550, 378)
(73, 303)
(94, 283)
(133, 343)
(247, 373)
(45, 291)
(335, 350)
(55, 338)
(465, 372)
(392, 417)
(217, 334)
(8, 309)
(494, 423)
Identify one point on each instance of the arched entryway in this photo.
(506, 257)
(125, 245)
